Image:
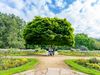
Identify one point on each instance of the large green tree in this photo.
(49, 31)
(83, 40)
(11, 31)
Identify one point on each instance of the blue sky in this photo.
(83, 14)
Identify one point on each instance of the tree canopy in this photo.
(83, 40)
(11, 31)
(49, 31)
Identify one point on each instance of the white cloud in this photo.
(19, 4)
(39, 9)
(60, 3)
(87, 21)
(6, 9)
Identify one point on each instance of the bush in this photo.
(85, 69)
(82, 62)
(83, 48)
(78, 53)
(10, 63)
(91, 63)
(94, 60)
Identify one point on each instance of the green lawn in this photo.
(80, 68)
(24, 67)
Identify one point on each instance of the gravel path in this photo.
(52, 65)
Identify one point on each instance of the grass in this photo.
(24, 67)
(81, 68)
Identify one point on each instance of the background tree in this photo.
(11, 31)
(83, 40)
(49, 31)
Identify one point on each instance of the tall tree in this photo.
(11, 31)
(49, 31)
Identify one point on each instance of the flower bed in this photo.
(78, 53)
(19, 52)
(23, 67)
(11, 63)
(79, 67)
(91, 63)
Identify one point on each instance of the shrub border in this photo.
(81, 68)
(18, 69)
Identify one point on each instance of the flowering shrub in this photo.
(91, 63)
(10, 63)
(78, 53)
(94, 60)
(82, 62)
(18, 52)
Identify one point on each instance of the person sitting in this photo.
(50, 51)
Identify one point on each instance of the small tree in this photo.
(49, 31)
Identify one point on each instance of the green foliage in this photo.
(10, 63)
(94, 60)
(91, 63)
(62, 47)
(84, 40)
(21, 52)
(97, 45)
(78, 53)
(81, 68)
(83, 48)
(49, 31)
(21, 68)
(28, 53)
(11, 31)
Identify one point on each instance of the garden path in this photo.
(52, 65)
